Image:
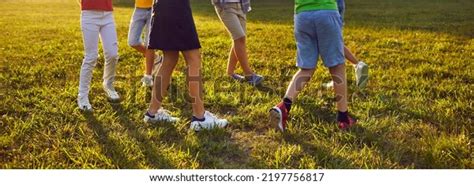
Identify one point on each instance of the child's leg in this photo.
(234, 20)
(240, 52)
(232, 64)
(149, 54)
(162, 80)
(90, 33)
(149, 60)
(331, 46)
(193, 60)
(340, 86)
(140, 48)
(349, 56)
(141, 23)
(108, 34)
(137, 25)
(298, 82)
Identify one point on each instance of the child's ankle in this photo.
(150, 114)
(152, 111)
(343, 116)
(287, 102)
(230, 73)
(194, 118)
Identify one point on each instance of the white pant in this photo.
(93, 24)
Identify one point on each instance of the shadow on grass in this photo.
(215, 149)
(322, 154)
(149, 149)
(111, 148)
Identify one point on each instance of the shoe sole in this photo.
(149, 120)
(146, 85)
(275, 119)
(113, 100)
(364, 76)
(198, 127)
(85, 109)
(257, 82)
(328, 85)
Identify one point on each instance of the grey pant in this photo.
(95, 24)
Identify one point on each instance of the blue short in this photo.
(319, 33)
(341, 6)
(141, 21)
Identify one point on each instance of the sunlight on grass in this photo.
(415, 113)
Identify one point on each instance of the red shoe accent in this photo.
(342, 125)
(345, 125)
(352, 121)
(282, 112)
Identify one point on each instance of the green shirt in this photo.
(310, 5)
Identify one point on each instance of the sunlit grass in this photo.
(415, 113)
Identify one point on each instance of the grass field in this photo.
(417, 111)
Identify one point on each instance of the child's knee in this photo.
(90, 59)
(337, 68)
(111, 50)
(112, 58)
(134, 44)
(307, 71)
(111, 55)
(193, 57)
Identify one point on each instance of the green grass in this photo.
(417, 111)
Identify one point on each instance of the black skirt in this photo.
(172, 26)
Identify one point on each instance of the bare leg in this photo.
(195, 87)
(149, 57)
(350, 56)
(340, 86)
(232, 64)
(240, 50)
(140, 48)
(162, 80)
(149, 60)
(298, 82)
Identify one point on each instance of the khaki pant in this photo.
(234, 19)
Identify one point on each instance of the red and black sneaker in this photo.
(279, 116)
(343, 125)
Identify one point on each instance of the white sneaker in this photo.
(362, 74)
(147, 81)
(161, 115)
(112, 95)
(156, 64)
(328, 85)
(210, 121)
(83, 103)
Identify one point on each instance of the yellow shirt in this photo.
(143, 3)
